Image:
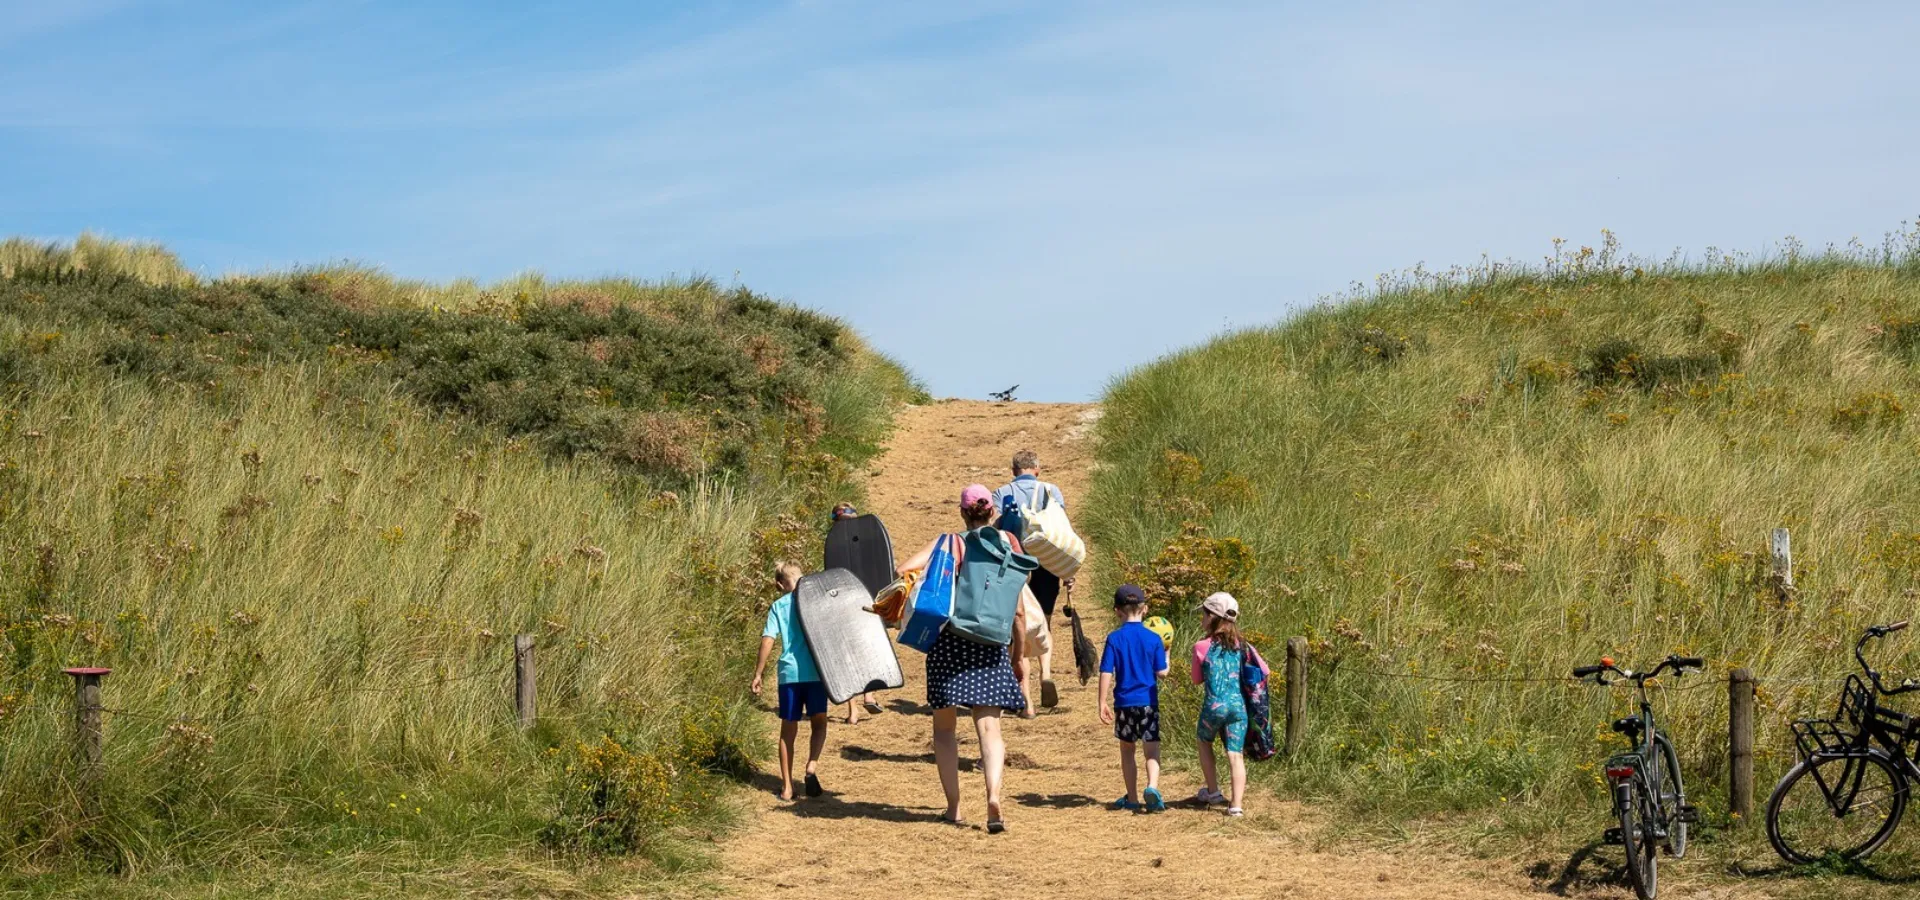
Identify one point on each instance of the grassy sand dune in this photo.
(1495, 475)
(302, 524)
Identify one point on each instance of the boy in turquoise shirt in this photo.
(802, 694)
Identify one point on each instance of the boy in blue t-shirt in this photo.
(1131, 666)
(802, 694)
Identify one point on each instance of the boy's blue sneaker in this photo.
(1155, 803)
(1124, 804)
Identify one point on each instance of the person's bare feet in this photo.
(786, 791)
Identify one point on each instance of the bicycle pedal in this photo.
(1688, 814)
(1611, 836)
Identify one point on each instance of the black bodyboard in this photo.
(861, 546)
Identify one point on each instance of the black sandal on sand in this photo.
(1049, 693)
(874, 709)
(813, 785)
(995, 826)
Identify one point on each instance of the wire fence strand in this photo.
(499, 669)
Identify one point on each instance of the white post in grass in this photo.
(1782, 565)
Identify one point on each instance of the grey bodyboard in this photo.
(850, 646)
(861, 546)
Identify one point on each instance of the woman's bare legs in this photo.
(946, 757)
(993, 755)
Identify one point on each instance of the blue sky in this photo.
(1044, 193)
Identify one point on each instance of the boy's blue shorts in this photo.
(802, 699)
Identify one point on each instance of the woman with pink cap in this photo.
(983, 678)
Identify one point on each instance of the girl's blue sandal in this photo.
(1155, 803)
(1124, 804)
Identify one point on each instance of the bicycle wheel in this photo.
(1637, 839)
(1673, 796)
(1845, 806)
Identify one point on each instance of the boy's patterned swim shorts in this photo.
(1137, 723)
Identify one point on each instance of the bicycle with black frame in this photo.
(1648, 796)
(1847, 794)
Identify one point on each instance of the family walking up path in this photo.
(877, 832)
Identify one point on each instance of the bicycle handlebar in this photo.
(1675, 664)
(1860, 655)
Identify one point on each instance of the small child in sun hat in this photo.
(1223, 714)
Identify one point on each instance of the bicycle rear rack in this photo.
(1846, 731)
(1811, 736)
(1841, 733)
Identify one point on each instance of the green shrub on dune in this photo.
(1500, 474)
(302, 524)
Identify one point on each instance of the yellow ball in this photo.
(1160, 626)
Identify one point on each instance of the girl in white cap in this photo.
(1216, 664)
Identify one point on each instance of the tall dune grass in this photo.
(91, 255)
(306, 574)
(1461, 486)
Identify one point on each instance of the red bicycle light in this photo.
(1606, 660)
(1619, 771)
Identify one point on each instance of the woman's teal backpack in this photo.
(987, 591)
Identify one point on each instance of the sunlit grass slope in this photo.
(302, 525)
(1502, 473)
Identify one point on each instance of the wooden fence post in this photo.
(88, 736)
(523, 679)
(1296, 692)
(1782, 565)
(1740, 745)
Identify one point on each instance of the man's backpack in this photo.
(1011, 518)
(987, 590)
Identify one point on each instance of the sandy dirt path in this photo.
(876, 833)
